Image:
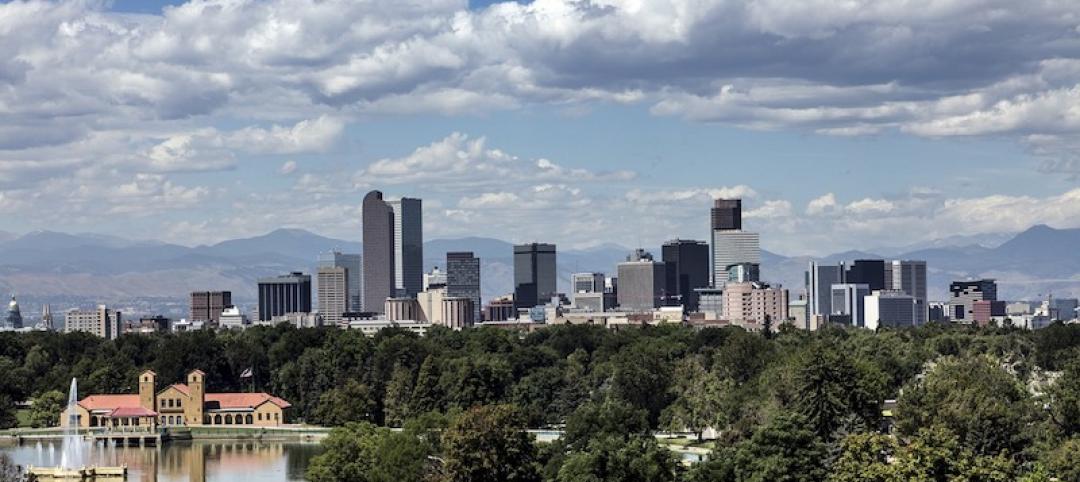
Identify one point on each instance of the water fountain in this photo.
(72, 456)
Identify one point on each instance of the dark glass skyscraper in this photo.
(282, 295)
(534, 274)
(463, 278)
(408, 246)
(687, 268)
(870, 272)
(378, 272)
(727, 214)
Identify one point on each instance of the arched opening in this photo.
(217, 419)
(248, 419)
(228, 420)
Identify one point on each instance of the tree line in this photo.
(971, 403)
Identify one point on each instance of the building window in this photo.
(228, 420)
(248, 419)
(179, 402)
(260, 416)
(217, 419)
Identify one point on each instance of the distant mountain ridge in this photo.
(45, 264)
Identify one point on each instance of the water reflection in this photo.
(190, 461)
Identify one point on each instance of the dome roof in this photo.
(13, 305)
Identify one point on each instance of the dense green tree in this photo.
(476, 380)
(426, 396)
(975, 399)
(642, 374)
(617, 459)
(46, 409)
(831, 388)
(537, 394)
(7, 412)
(396, 403)
(610, 418)
(785, 450)
(361, 452)
(487, 444)
(1062, 462)
(352, 402)
(698, 398)
(1063, 402)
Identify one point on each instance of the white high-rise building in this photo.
(732, 247)
(408, 246)
(847, 300)
(909, 277)
(102, 322)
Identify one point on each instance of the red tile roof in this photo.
(244, 400)
(109, 402)
(128, 412)
(179, 386)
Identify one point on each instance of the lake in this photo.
(197, 461)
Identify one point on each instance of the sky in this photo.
(842, 125)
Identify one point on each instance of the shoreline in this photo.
(17, 437)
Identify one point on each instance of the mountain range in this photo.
(82, 269)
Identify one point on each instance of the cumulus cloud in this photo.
(458, 162)
(821, 204)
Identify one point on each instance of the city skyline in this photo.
(197, 146)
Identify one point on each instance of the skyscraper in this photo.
(534, 274)
(964, 296)
(909, 277)
(102, 322)
(870, 272)
(208, 305)
(847, 303)
(588, 282)
(333, 288)
(819, 281)
(408, 247)
(282, 295)
(642, 282)
(730, 244)
(463, 278)
(727, 215)
(687, 264)
(731, 248)
(354, 273)
(378, 272)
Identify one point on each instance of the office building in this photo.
(726, 215)
(847, 303)
(594, 301)
(408, 246)
(731, 248)
(1018, 308)
(889, 308)
(283, 295)
(744, 273)
(231, 317)
(687, 264)
(755, 303)
(208, 305)
(642, 282)
(379, 272)
(964, 294)
(463, 278)
(147, 325)
(14, 319)
(333, 289)
(435, 278)
(797, 314)
(984, 311)
(102, 322)
(870, 272)
(909, 277)
(819, 281)
(500, 309)
(730, 244)
(588, 282)
(399, 309)
(1064, 309)
(438, 307)
(354, 275)
(534, 274)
